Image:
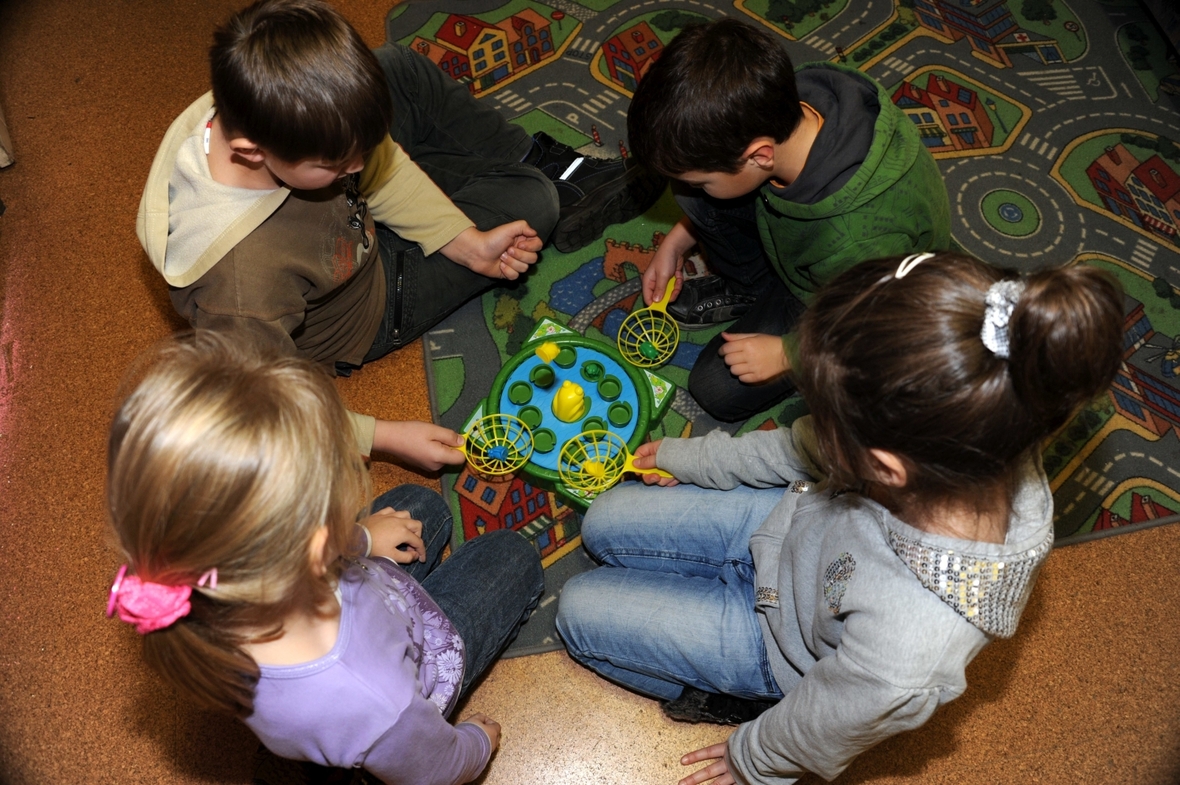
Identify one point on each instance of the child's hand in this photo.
(503, 252)
(423, 444)
(753, 357)
(645, 458)
(395, 536)
(718, 772)
(488, 726)
(667, 262)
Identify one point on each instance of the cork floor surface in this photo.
(1089, 690)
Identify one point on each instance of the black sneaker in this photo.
(593, 192)
(706, 301)
(695, 705)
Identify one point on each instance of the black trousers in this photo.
(473, 154)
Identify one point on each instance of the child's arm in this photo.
(754, 358)
(645, 458)
(760, 459)
(838, 711)
(422, 747)
(423, 444)
(503, 252)
(668, 261)
(401, 196)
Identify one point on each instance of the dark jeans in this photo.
(728, 231)
(487, 588)
(473, 154)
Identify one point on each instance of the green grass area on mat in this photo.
(1164, 318)
(1156, 56)
(449, 373)
(537, 120)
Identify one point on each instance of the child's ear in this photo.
(760, 152)
(890, 468)
(317, 552)
(244, 148)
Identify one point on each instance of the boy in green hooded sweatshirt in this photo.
(786, 180)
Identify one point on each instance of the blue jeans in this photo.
(673, 603)
(487, 588)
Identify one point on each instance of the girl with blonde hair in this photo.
(234, 490)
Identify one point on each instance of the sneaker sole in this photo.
(586, 220)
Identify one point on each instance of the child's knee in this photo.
(539, 204)
(519, 558)
(576, 605)
(599, 518)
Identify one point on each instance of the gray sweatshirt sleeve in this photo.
(761, 459)
(838, 711)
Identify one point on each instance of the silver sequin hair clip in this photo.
(1001, 300)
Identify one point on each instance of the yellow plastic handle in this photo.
(662, 305)
(630, 466)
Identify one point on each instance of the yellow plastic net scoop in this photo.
(593, 461)
(649, 336)
(498, 444)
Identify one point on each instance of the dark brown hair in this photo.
(716, 88)
(224, 457)
(295, 78)
(898, 364)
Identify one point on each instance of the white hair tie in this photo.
(910, 262)
(1001, 300)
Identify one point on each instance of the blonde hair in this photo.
(226, 457)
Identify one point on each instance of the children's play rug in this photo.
(1055, 123)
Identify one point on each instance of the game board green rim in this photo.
(575, 342)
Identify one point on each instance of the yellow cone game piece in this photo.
(547, 351)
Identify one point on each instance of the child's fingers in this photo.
(413, 546)
(707, 773)
(521, 227)
(712, 752)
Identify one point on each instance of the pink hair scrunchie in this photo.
(149, 606)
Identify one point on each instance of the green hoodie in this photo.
(895, 201)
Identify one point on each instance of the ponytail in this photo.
(203, 660)
(895, 359)
(225, 461)
(1066, 339)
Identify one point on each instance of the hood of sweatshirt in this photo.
(187, 221)
(988, 584)
(855, 140)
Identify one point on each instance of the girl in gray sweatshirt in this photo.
(830, 582)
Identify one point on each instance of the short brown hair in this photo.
(716, 88)
(225, 457)
(898, 364)
(295, 78)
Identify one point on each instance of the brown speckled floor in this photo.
(1088, 692)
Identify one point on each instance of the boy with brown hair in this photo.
(339, 202)
(786, 180)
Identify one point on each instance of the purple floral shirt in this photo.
(379, 699)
